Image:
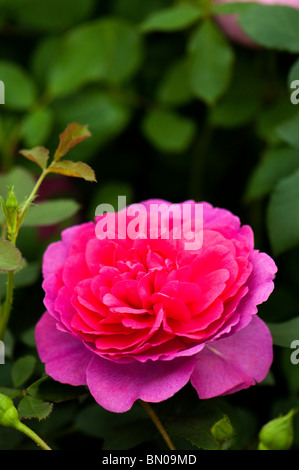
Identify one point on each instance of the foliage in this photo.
(173, 109)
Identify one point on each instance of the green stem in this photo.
(149, 410)
(8, 304)
(31, 196)
(10, 276)
(32, 435)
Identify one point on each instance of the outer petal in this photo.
(234, 363)
(66, 358)
(216, 218)
(57, 252)
(117, 386)
(53, 258)
(260, 285)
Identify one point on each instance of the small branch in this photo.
(32, 435)
(149, 410)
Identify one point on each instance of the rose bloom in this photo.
(229, 23)
(139, 317)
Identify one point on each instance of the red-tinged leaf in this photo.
(76, 169)
(39, 155)
(71, 136)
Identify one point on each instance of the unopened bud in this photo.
(11, 200)
(222, 430)
(9, 416)
(277, 434)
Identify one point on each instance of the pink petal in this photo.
(117, 386)
(66, 358)
(75, 270)
(217, 218)
(57, 252)
(234, 363)
(260, 285)
(54, 256)
(83, 234)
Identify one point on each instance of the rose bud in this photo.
(9, 416)
(277, 434)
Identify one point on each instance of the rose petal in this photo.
(260, 285)
(234, 363)
(56, 253)
(117, 386)
(54, 256)
(66, 358)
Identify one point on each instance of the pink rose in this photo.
(140, 316)
(229, 24)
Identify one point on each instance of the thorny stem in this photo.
(5, 314)
(10, 276)
(149, 410)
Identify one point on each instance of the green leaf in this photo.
(223, 432)
(42, 15)
(196, 430)
(10, 256)
(71, 136)
(43, 57)
(272, 26)
(50, 212)
(39, 155)
(28, 337)
(10, 392)
(119, 431)
(171, 19)
(242, 101)
(285, 332)
(36, 127)
(20, 92)
(22, 370)
(28, 275)
(271, 117)
(211, 62)
(283, 214)
(168, 131)
(24, 276)
(30, 407)
(231, 7)
(288, 131)
(107, 50)
(49, 390)
(170, 90)
(274, 165)
(293, 72)
(76, 169)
